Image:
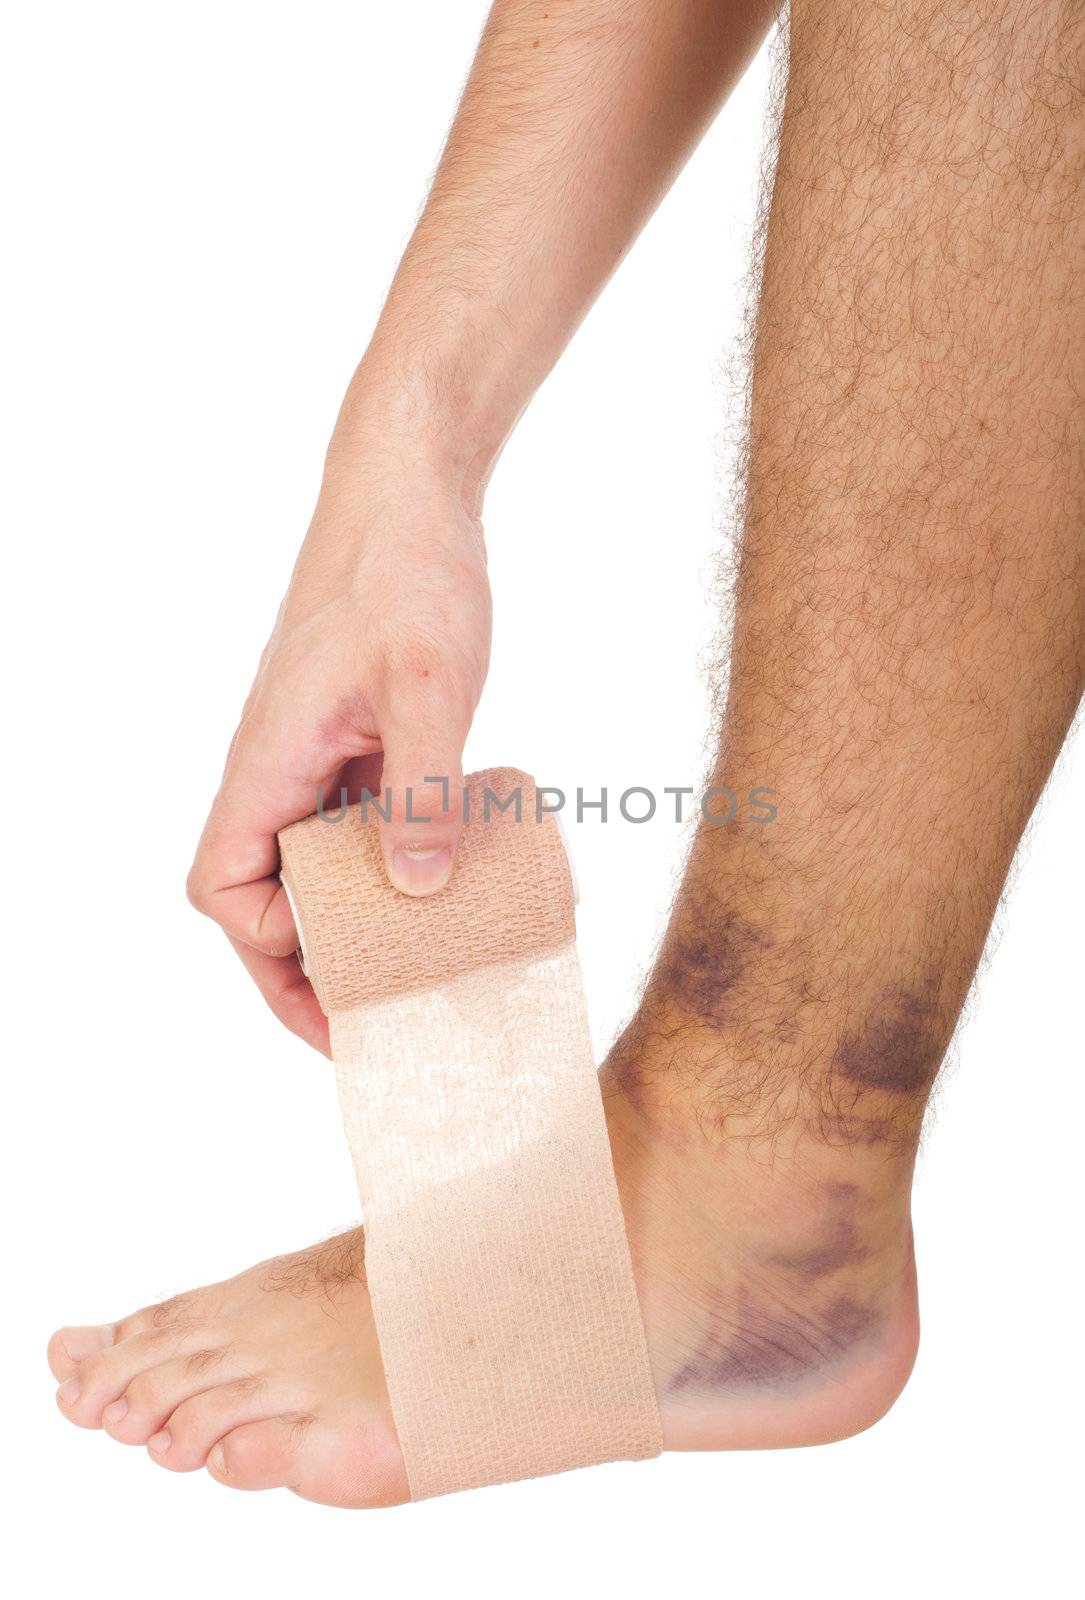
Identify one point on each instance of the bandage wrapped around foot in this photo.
(495, 1248)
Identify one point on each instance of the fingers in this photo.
(234, 878)
(414, 726)
(289, 994)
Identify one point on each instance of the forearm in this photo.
(575, 119)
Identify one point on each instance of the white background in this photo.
(204, 207)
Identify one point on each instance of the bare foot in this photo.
(775, 1276)
(271, 1379)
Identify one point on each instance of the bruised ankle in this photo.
(776, 1276)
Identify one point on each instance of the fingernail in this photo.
(159, 1443)
(68, 1393)
(115, 1411)
(421, 871)
(217, 1459)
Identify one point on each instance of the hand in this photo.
(370, 679)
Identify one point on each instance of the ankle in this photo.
(775, 1268)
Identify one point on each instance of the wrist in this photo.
(434, 405)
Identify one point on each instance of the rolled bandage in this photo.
(496, 1254)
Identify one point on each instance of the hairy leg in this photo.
(909, 633)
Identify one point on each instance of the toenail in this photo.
(160, 1443)
(79, 1343)
(68, 1392)
(217, 1459)
(113, 1413)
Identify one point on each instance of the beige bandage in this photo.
(496, 1254)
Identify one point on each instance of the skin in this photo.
(574, 122)
(908, 654)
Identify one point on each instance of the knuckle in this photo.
(143, 1391)
(137, 1323)
(418, 809)
(269, 946)
(246, 1388)
(167, 1312)
(201, 1361)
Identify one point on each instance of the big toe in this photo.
(69, 1346)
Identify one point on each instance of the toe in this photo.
(69, 1346)
(196, 1425)
(260, 1455)
(180, 1309)
(154, 1394)
(104, 1377)
(351, 1464)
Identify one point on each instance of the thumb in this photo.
(422, 794)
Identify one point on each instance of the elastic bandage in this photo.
(495, 1247)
